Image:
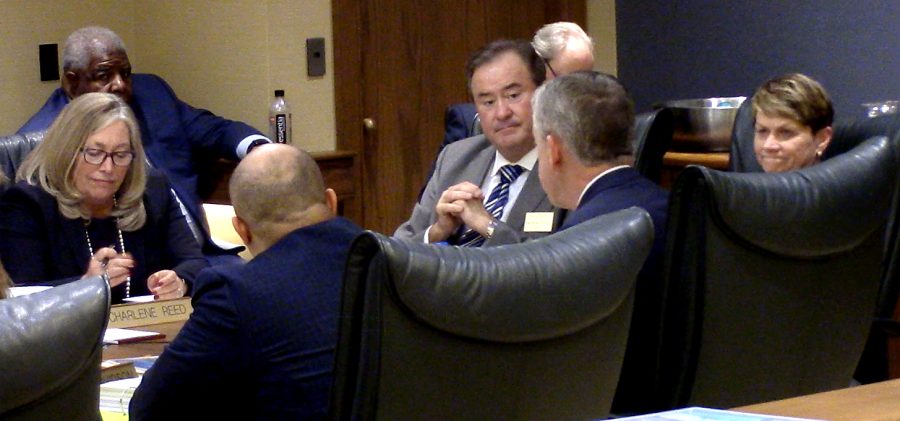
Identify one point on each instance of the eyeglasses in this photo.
(98, 156)
(546, 62)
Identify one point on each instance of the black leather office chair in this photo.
(525, 331)
(741, 156)
(652, 137)
(847, 135)
(773, 278)
(50, 350)
(13, 150)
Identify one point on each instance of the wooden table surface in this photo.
(877, 401)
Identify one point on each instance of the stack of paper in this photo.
(116, 395)
(115, 335)
(707, 414)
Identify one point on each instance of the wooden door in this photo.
(398, 65)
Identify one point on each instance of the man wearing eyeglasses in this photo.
(485, 190)
(565, 48)
(175, 135)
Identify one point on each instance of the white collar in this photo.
(526, 161)
(588, 186)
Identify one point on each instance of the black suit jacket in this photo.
(42, 247)
(622, 189)
(260, 343)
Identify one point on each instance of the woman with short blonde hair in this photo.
(86, 204)
(793, 116)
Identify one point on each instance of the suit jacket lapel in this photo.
(478, 169)
(73, 235)
(530, 198)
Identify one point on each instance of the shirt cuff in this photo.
(425, 239)
(245, 143)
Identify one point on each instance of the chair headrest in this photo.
(778, 211)
(521, 292)
(48, 339)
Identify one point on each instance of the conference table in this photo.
(878, 401)
(151, 347)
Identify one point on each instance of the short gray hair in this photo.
(88, 42)
(553, 37)
(590, 112)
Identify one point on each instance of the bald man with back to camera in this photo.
(260, 343)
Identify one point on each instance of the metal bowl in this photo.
(703, 125)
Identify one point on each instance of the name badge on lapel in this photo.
(538, 222)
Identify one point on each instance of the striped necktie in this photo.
(495, 203)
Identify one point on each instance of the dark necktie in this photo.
(495, 203)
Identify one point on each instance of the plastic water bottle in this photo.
(280, 119)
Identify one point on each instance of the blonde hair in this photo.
(50, 166)
(796, 97)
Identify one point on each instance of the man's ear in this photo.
(554, 149)
(331, 200)
(70, 81)
(242, 230)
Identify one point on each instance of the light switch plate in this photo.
(315, 56)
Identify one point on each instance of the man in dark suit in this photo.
(175, 135)
(582, 126)
(483, 190)
(261, 340)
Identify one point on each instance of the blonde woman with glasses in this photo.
(85, 204)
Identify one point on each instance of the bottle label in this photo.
(281, 128)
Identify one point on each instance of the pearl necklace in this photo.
(87, 236)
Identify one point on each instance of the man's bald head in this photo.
(277, 189)
(565, 48)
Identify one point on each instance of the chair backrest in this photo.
(50, 351)
(848, 134)
(14, 149)
(523, 331)
(741, 156)
(773, 278)
(652, 137)
(890, 288)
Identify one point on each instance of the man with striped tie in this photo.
(485, 189)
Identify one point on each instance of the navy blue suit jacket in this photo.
(458, 121)
(261, 340)
(42, 247)
(176, 136)
(618, 190)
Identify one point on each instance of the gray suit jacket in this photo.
(470, 160)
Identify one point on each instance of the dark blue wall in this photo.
(675, 49)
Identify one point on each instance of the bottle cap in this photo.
(279, 92)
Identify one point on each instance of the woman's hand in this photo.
(166, 284)
(118, 266)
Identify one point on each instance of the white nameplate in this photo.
(538, 222)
